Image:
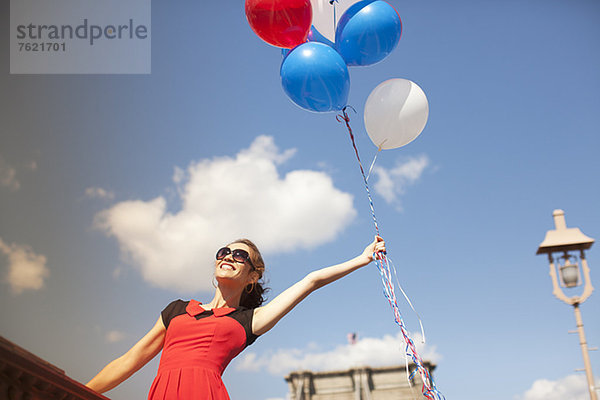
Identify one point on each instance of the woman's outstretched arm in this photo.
(123, 367)
(267, 316)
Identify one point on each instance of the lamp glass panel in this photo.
(569, 274)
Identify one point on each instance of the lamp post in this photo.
(569, 242)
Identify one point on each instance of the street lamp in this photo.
(568, 241)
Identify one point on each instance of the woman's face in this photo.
(228, 271)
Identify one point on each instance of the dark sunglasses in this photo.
(238, 255)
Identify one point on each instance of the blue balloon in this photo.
(315, 77)
(367, 32)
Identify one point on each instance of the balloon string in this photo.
(408, 300)
(333, 4)
(346, 119)
(429, 389)
(373, 164)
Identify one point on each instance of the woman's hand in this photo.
(378, 246)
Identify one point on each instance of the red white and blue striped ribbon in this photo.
(429, 389)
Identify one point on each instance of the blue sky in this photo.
(513, 90)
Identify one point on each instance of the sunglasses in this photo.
(238, 255)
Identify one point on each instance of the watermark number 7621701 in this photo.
(43, 46)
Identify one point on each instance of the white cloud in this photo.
(8, 176)
(572, 387)
(99, 193)
(373, 352)
(223, 199)
(392, 182)
(114, 336)
(26, 270)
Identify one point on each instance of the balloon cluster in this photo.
(320, 39)
(318, 46)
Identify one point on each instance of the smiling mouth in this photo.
(228, 267)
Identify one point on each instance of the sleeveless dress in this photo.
(199, 344)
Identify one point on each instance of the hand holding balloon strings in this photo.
(429, 388)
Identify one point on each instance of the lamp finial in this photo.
(559, 220)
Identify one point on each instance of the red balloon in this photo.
(282, 23)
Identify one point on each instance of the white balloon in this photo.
(323, 15)
(395, 114)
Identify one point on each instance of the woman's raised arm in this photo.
(267, 316)
(123, 367)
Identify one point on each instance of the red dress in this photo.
(198, 346)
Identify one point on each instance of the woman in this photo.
(199, 340)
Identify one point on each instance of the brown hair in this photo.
(254, 293)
